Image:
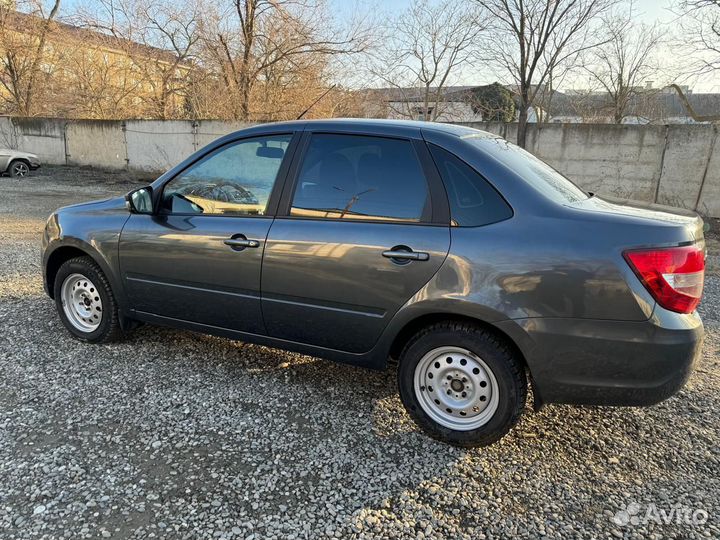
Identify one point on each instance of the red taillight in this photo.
(674, 276)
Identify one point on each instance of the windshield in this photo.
(534, 171)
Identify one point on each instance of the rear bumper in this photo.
(599, 362)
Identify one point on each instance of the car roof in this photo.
(375, 125)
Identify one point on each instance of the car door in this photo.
(198, 258)
(364, 226)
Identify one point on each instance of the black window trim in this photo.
(440, 210)
(482, 176)
(280, 179)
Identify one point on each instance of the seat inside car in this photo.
(332, 186)
(369, 171)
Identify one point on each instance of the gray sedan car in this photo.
(16, 163)
(475, 265)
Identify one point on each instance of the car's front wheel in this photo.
(19, 169)
(85, 301)
(462, 384)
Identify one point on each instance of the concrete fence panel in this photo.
(614, 160)
(42, 136)
(96, 143)
(709, 196)
(685, 164)
(155, 145)
(7, 133)
(209, 130)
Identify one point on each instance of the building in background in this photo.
(460, 104)
(53, 68)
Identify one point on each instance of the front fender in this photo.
(92, 231)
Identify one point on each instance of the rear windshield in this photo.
(534, 171)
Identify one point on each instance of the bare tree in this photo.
(534, 39)
(251, 39)
(423, 51)
(173, 29)
(23, 51)
(96, 82)
(159, 40)
(700, 31)
(583, 104)
(625, 60)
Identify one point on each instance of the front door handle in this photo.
(241, 243)
(405, 255)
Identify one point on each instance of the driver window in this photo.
(233, 181)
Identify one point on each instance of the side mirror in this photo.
(140, 201)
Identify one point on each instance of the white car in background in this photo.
(17, 164)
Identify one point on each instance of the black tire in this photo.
(504, 363)
(14, 169)
(109, 328)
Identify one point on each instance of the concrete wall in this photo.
(95, 143)
(143, 145)
(677, 165)
(44, 135)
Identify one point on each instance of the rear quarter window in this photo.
(473, 201)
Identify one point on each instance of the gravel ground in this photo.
(179, 435)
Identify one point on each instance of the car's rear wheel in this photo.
(85, 301)
(462, 384)
(19, 169)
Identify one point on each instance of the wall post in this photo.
(123, 127)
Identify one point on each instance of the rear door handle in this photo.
(405, 256)
(241, 243)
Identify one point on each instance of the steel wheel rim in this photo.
(456, 388)
(81, 303)
(20, 169)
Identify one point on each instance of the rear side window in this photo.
(473, 201)
(355, 177)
